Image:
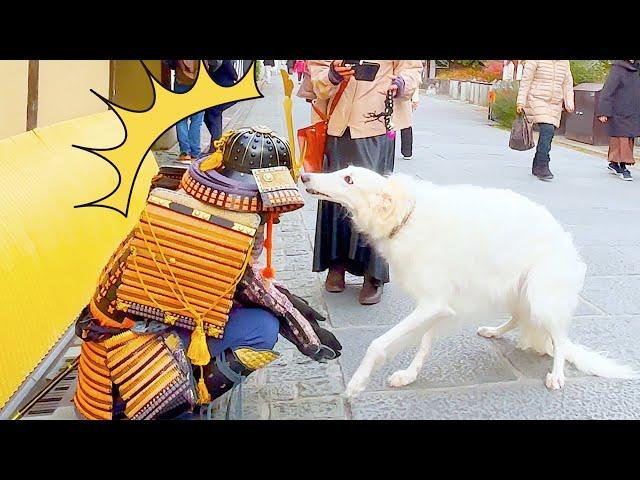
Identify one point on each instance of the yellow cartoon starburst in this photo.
(143, 128)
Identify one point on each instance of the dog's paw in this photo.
(355, 386)
(401, 378)
(554, 382)
(488, 332)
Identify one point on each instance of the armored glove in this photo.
(329, 344)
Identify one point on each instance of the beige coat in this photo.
(544, 86)
(403, 111)
(362, 99)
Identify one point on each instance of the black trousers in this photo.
(406, 142)
(547, 131)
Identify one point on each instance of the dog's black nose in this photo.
(304, 177)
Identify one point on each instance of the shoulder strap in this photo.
(336, 99)
(325, 116)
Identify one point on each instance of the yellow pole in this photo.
(288, 104)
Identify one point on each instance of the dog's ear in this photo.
(392, 195)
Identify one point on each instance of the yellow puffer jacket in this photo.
(544, 86)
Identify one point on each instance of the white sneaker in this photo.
(408, 158)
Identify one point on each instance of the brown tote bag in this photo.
(313, 139)
(521, 137)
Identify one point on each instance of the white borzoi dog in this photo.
(459, 250)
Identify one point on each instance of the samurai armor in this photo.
(181, 262)
(94, 393)
(232, 366)
(169, 176)
(149, 375)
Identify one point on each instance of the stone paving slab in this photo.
(618, 295)
(346, 311)
(616, 336)
(463, 359)
(580, 399)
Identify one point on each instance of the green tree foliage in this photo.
(504, 107)
(589, 71)
(470, 63)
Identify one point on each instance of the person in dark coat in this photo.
(223, 73)
(619, 110)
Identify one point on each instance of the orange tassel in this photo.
(268, 272)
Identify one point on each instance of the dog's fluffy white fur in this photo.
(459, 250)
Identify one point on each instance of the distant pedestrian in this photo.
(619, 110)
(299, 67)
(188, 129)
(545, 85)
(269, 69)
(404, 117)
(290, 64)
(223, 73)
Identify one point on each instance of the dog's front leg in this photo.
(388, 345)
(400, 378)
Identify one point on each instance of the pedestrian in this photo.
(290, 64)
(619, 110)
(545, 86)
(404, 121)
(356, 135)
(223, 73)
(188, 129)
(269, 69)
(299, 67)
(318, 106)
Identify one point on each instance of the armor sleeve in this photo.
(298, 321)
(253, 289)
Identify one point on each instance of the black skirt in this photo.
(336, 241)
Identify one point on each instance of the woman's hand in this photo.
(519, 109)
(394, 88)
(344, 72)
(603, 119)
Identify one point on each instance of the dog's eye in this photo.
(348, 179)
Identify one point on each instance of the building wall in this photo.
(132, 89)
(64, 89)
(13, 97)
(42, 236)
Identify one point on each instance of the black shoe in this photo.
(542, 172)
(614, 168)
(624, 173)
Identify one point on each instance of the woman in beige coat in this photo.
(356, 135)
(545, 86)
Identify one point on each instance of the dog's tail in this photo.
(584, 359)
(595, 363)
